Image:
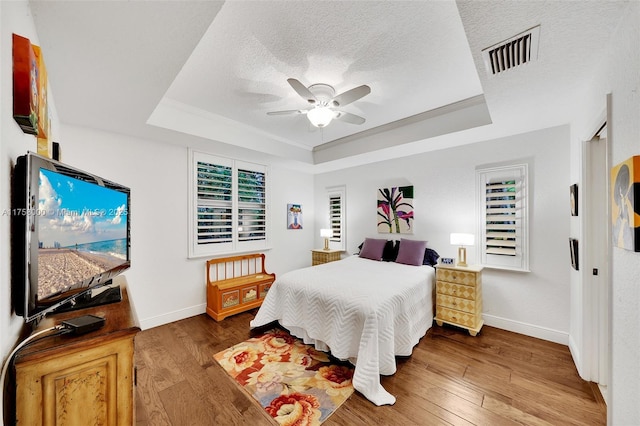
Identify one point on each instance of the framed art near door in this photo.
(625, 204)
(573, 248)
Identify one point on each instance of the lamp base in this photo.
(326, 244)
(462, 257)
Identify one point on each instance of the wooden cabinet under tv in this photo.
(80, 380)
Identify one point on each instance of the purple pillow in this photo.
(411, 252)
(372, 248)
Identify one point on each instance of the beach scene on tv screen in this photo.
(82, 231)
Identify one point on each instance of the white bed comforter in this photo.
(361, 310)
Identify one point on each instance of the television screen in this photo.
(82, 231)
(70, 235)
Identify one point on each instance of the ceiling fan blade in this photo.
(287, 112)
(302, 90)
(349, 96)
(349, 118)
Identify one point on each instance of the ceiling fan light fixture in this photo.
(321, 116)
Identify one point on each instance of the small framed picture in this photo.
(573, 248)
(447, 260)
(573, 197)
(294, 216)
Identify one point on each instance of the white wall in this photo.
(15, 17)
(534, 303)
(163, 283)
(617, 73)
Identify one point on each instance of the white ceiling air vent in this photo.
(513, 52)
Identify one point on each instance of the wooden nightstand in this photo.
(459, 297)
(320, 256)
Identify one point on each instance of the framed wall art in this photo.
(25, 85)
(395, 210)
(625, 204)
(294, 216)
(573, 249)
(573, 197)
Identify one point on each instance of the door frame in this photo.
(596, 289)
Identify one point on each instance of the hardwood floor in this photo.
(496, 378)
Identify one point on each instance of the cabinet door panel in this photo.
(93, 386)
(84, 394)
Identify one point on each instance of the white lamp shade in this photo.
(458, 239)
(326, 233)
(320, 116)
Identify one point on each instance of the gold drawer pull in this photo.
(454, 276)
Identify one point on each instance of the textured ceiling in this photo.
(405, 51)
(206, 72)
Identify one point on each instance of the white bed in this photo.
(362, 310)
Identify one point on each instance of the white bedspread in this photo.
(359, 309)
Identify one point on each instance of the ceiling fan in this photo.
(324, 99)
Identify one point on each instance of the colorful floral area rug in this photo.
(295, 383)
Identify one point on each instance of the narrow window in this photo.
(502, 203)
(336, 200)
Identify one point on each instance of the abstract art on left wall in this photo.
(395, 210)
(25, 85)
(625, 204)
(30, 105)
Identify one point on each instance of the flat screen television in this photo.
(71, 236)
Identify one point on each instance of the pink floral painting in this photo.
(395, 210)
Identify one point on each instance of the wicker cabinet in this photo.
(80, 380)
(459, 297)
(321, 256)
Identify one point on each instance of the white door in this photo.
(597, 246)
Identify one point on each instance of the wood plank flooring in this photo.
(496, 378)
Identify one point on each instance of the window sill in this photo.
(228, 253)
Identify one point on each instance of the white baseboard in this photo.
(527, 329)
(576, 355)
(158, 320)
(493, 321)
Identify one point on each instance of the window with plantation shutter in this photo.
(228, 209)
(336, 199)
(502, 201)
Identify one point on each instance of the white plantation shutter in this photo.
(502, 199)
(228, 211)
(214, 203)
(502, 219)
(336, 199)
(335, 216)
(252, 210)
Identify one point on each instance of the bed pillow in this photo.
(411, 252)
(430, 257)
(390, 252)
(372, 248)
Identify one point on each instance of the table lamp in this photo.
(326, 234)
(461, 240)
